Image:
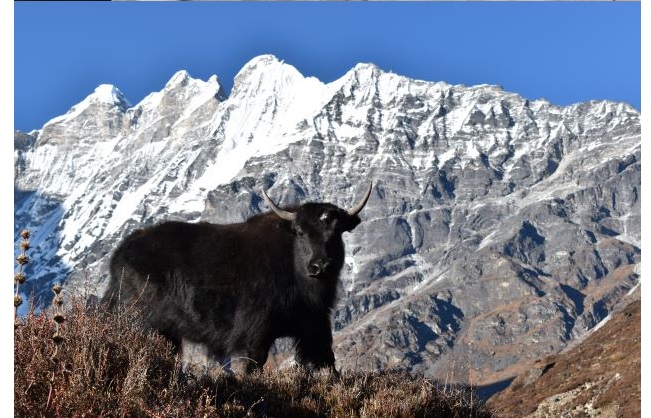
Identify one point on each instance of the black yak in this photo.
(236, 288)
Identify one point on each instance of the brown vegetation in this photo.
(107, 367)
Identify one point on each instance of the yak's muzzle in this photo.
(317, 268)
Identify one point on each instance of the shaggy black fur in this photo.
(238, 287)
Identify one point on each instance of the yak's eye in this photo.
(325, 216)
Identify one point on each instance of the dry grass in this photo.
(107, 367)
(104, 367)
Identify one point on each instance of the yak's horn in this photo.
(358, 208)
(282, 214)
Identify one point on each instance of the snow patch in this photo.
(104, 93)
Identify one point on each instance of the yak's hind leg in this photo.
(251, 358)
(251, 338)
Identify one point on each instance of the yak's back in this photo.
(203, 253)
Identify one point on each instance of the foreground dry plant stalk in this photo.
(19, 277)
(57, 338)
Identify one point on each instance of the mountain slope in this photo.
(499, 228)
(599, 376)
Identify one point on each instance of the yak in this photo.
(236, 288)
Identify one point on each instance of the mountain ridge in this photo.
(495, 221)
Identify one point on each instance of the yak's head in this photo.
(319, 249)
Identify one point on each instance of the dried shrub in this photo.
(106, 366)
(109, 367)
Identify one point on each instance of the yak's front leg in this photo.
(314, 345)
(256, 358)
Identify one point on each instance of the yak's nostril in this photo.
(318, 267)
(314, 269)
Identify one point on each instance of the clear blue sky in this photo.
(566, 52)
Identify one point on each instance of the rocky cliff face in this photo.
(499, 228)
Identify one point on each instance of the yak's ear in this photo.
(349, 223)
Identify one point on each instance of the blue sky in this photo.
(566, 52)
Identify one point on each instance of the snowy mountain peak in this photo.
(213, 79)
(267, 74)
(108, 94)
(367, 67)
(262, 61)
(104, 95)
(181, 97)
(492, 218)
(85, 121)
(184, 84)
(178, 79)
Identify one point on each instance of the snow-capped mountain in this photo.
(499, 228)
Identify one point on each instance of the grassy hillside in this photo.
(105, 366)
